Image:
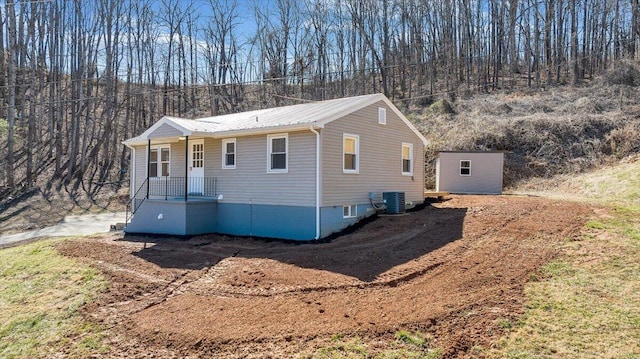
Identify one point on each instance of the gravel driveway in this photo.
(76, 225)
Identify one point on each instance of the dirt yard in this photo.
(453, 270)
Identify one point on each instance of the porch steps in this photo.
(117, 227)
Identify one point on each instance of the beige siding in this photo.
(212, 149)
(140, 171)
(176, 164)
(249, 182)
(380, 158)
(178, 161)
(165, 131)
(486, 172)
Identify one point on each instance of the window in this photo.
(349, 211)
(229, 153)
(407, 159)
(277, 151)
(159, 161)
(197, 155)
(465, 168)
(350, 149)
(382, 115)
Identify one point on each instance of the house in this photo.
(470, 172)
(298, 172)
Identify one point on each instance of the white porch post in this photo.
(186, 167)
(148, 165)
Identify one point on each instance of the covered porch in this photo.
(171, 169)
(170, 191)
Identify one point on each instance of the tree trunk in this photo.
(11, 91)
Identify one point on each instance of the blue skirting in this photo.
(260, 220)
(332, 218)
(240, 219)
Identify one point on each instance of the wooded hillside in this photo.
(77, 77)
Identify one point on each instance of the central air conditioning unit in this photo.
(394, 201)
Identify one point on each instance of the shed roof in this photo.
(286, 118)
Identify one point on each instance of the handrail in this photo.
(135, 202)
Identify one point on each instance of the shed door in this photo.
(196, 167)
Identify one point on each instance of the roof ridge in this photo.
(291, 117)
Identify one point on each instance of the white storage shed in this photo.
(469, 172)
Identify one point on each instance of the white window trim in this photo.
(286, 151)
(352, 211)
(382, 115)
(357, 138)
(224, 153)
(410, 145)
(159, 167)
(460, 170)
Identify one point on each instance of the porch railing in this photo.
(179, 187)
(172, 188)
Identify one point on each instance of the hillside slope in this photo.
(617, 184)
(563, 130)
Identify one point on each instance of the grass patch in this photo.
(595, 225)
(407, 345)
(40, 294)
(409, 354)
(341, 348)
(587, 304)
(417, 339)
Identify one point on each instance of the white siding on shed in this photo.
(485, 172)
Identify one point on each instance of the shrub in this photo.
(623, 73)
(442, 107)
(624, 141)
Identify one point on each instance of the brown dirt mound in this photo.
(454, 270)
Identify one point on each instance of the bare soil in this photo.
(453, 270)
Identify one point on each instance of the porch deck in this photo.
(195, 215)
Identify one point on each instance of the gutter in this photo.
(317, 180)
(138, 141)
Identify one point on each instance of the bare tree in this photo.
(76, 77)
(12, 61)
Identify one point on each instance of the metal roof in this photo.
(285, 118)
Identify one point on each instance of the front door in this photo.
(196, 167)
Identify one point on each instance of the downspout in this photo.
(148, 165)
(317, 180)
(186, 167)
